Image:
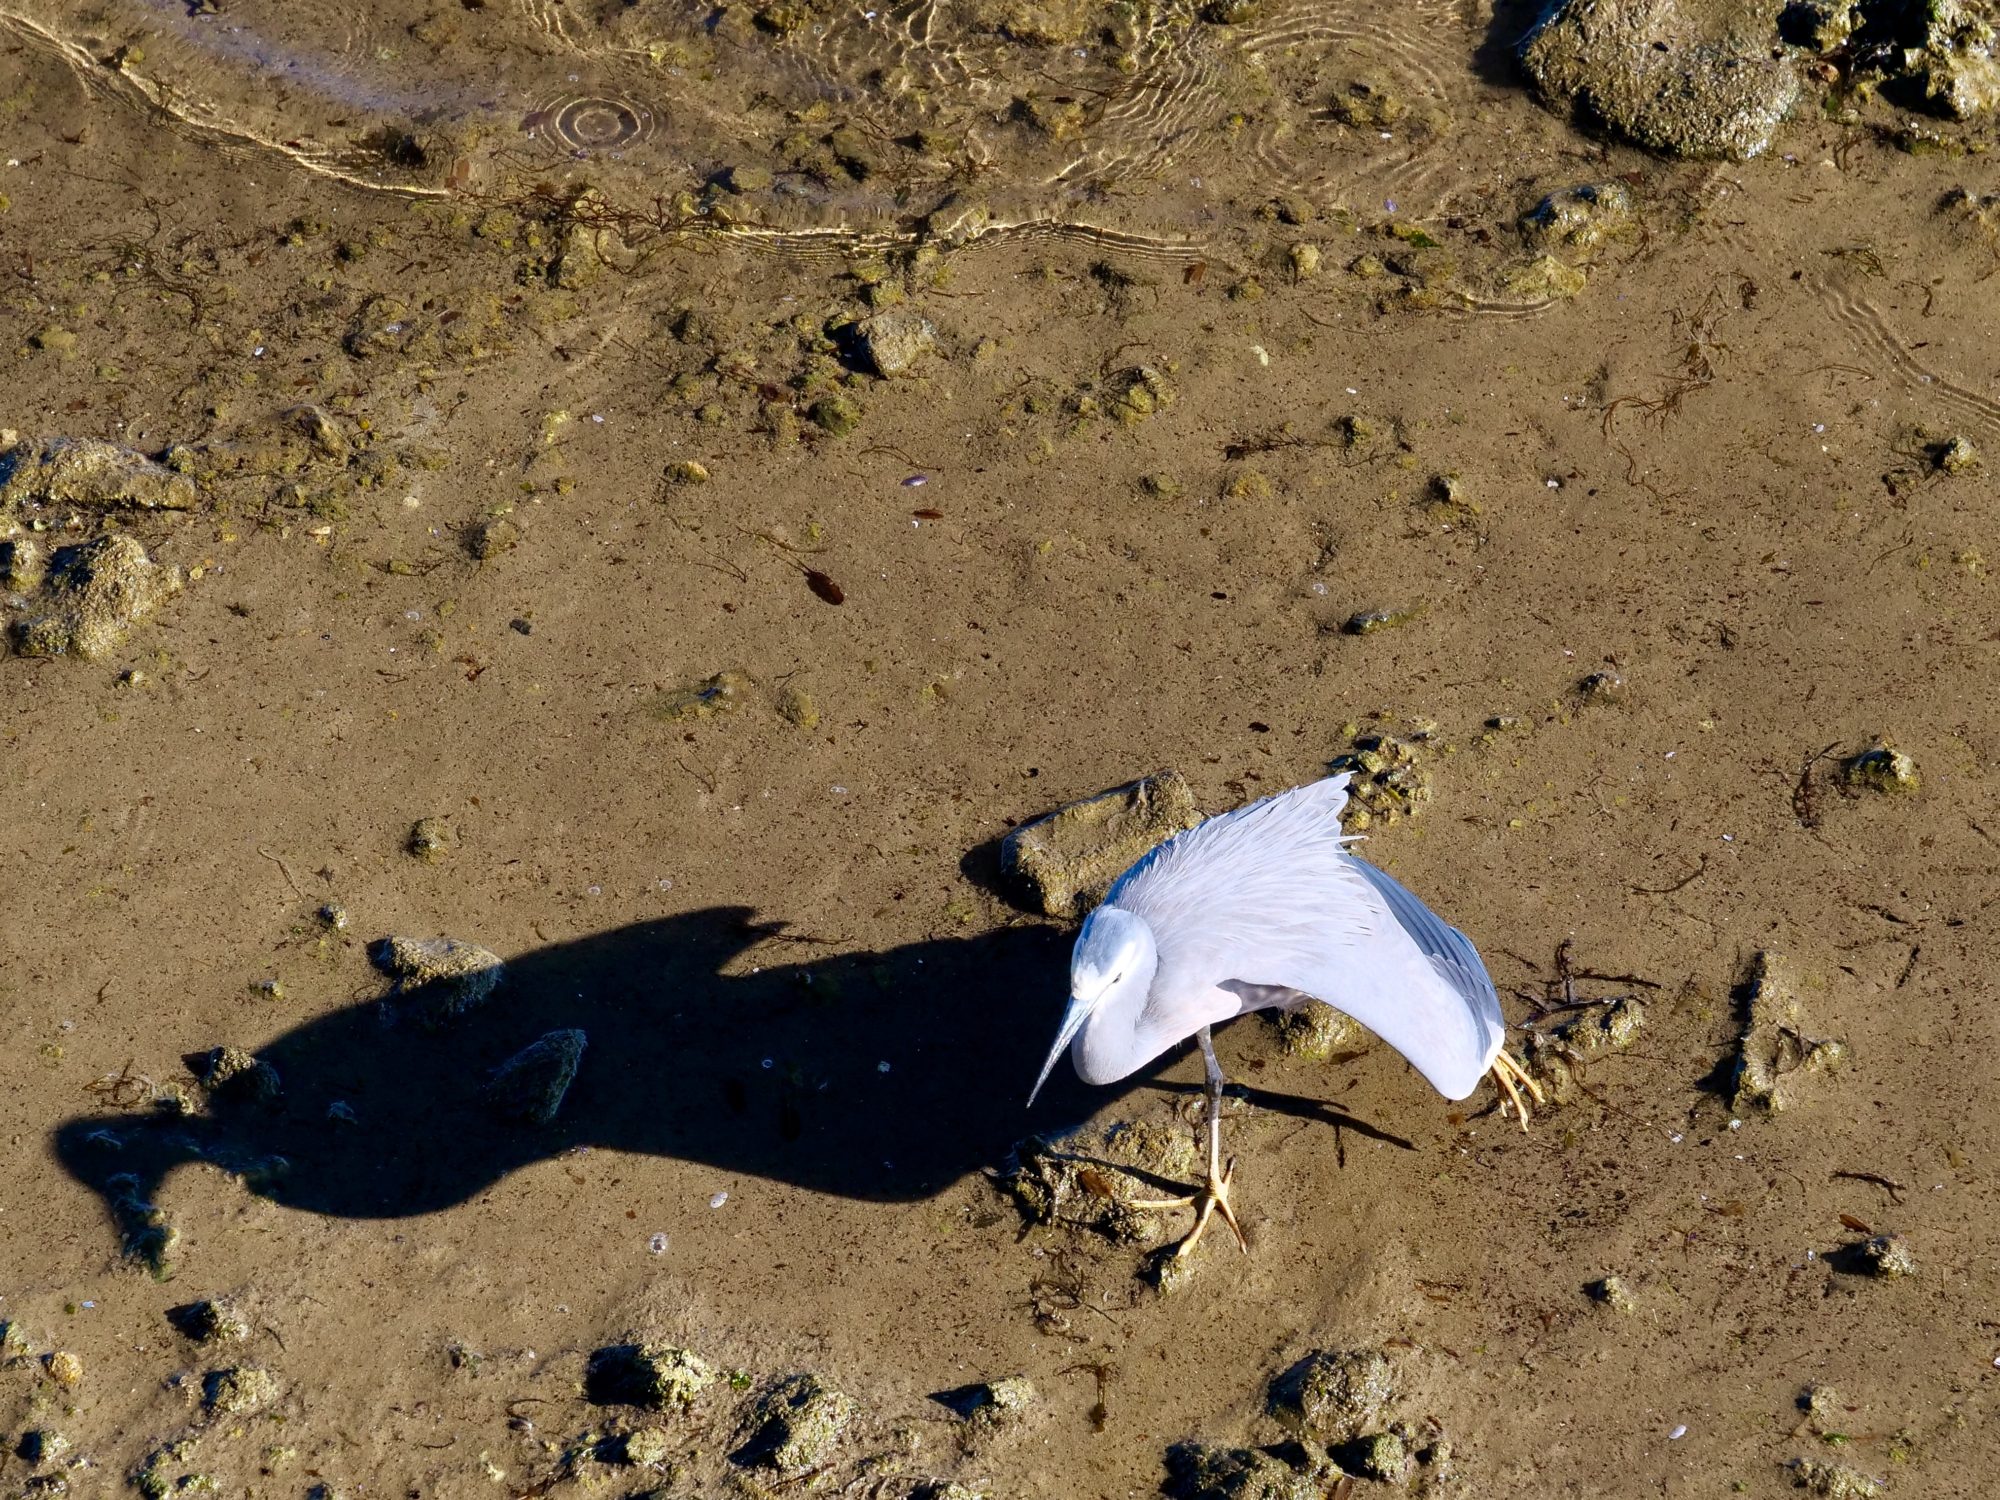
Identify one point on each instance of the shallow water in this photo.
(1235, 334)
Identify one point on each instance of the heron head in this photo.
(1115, 956)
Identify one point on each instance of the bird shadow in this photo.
(1299, 1107)
(711, 1037)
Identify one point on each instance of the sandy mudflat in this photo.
(515, 378)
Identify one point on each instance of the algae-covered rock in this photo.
(239, 1391)
(1774, 1051)
(492, 537)
(646, 1447)
(1889, 1256)
(1612, 1292)
(1068, 859)
(835, 415)
(92, 597)
(1389, 780)
(655, 1376)
(796, 1425)
(438, 978)
(1083, 1185)
(894, 341)
(1556, 1056)
(64, 1368)
(1580, 221)
(1379, 617)
(1196, 1471)
(990, 1403)
(209, 1321)
(796, 706)
(88, 474)
(1691, 78)
(24, 563)
(1880, 768)
(746, 178)
(1605, 686)
(1823, 1406)
(1833, 1481)
(230, 1073)
(1954, 455)
(531, 1084)
(39, 1446)
(431, 840)
(1367, 104)
(280, 445)
(1315, 1031)
(723, 693)
(1958, 59)
(1333, 1395)
(1381, 1456)
(1546, 278)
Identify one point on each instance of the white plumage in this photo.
(1265, 907)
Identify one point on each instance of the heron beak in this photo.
(1072, 1023)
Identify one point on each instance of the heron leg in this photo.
(1213, 1198)
(1506, 1072)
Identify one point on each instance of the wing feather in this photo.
(1268, 895)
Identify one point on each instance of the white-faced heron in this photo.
(1265, 908)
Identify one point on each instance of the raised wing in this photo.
(1269, 896)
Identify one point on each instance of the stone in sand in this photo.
(531, 1084)
(1068, 859)
(1690, 78)
(1889, 1256)
(89, 474)
(1314, 1031)
(1332, 1395)
(1833, 1481)
(654, 1376)
(1880, 768)
(491, 538)
(991, 1402)
(1612, 1292)
(1381, 1456)
(1196, 1471)
(231, 1073)
(1078, 1184)
(208, 1322)
(438, 978)
(38, 1446)
(237, 1392)
(895, 341)
(1389, 779)
(1580, 221)
(431, 840)
(723, 693)
(1774, 1050)
(94, 594)
(1556, 1056)
(796, 1425)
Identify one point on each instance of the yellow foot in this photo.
(1213, 1199)
(1506, 1072)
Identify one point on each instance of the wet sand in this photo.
(1165, 457)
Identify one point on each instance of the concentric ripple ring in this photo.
(585, 122)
